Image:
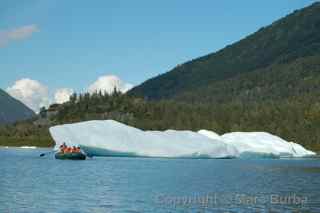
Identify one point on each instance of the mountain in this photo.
(12, 110)
(276, 62)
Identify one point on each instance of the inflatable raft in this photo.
(70, 156)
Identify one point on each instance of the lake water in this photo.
(32, 184)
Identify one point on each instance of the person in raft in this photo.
(75, 149)
(66, 149)
(63, 148)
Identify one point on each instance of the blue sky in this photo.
(75, 42)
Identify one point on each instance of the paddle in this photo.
(43, 154)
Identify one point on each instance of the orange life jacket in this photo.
(68, 149)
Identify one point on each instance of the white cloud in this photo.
(36, 95)
(16, 34)
(62, 95)
(30, 92)
(108, 83)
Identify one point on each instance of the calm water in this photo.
(29, 183)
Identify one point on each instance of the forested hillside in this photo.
(278, 61)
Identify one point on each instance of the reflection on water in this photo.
(29, 183)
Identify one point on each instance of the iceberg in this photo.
(111, 138)
(260, 145)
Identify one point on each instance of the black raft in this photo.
(70, 156)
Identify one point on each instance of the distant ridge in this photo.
(12, 110)
(278, 61)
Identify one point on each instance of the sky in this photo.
(52, 48)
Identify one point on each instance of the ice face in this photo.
(112, 138)
(300, 151)
(263, 144)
